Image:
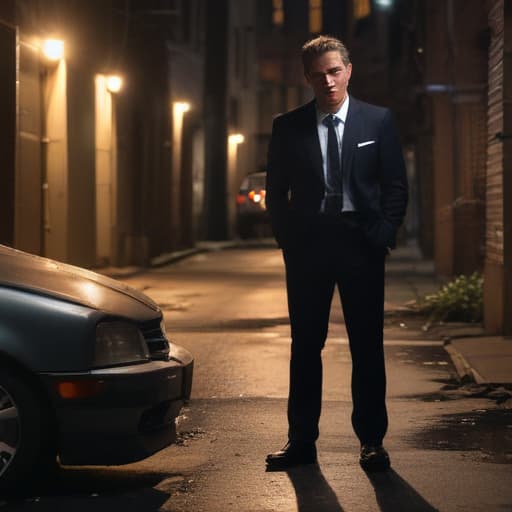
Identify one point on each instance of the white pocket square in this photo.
(361, 144)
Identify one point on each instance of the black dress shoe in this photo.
(374, 458)
(295, 453)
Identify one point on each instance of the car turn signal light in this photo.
(79, 389)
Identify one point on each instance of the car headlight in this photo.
(163, 328)
(119, 343)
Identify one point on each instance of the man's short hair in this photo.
(320, 45)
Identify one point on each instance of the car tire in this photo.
(27, 447)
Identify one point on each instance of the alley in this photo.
(229, 309)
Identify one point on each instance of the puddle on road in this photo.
(425, 355)
(253, 323)
(487, 431)
(434, 397)
(453, 390)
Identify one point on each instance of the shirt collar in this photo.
(341, 114)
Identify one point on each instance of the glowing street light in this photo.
(180, 107)
(384, 4)
(114, 83)
(53, 49)
(236, 138)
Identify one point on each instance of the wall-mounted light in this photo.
(181, 107)
(114, 83)
(53, 49)
(384, 4)
(236, 138)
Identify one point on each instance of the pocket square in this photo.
(361, 144)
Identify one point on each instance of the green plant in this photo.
(459, 300)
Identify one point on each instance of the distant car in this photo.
(252, 216)
(86, 370)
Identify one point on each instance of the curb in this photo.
(464, 370)
(173, 257)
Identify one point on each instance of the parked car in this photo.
(252, 216)
(86, 369)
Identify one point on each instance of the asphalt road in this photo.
(450, 447)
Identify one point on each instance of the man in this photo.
(336, 195)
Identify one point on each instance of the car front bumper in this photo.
(131, 415)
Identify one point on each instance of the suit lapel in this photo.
(310, 140)
(351, 133)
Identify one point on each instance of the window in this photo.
(277, 13)
(361, 8)
(315, 16)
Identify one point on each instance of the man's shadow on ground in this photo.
(313, 492)
(393, 493)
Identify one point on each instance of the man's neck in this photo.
(326, 109)
(332, 109)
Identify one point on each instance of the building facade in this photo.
(498, 220)
(96, 175)
(442, 68)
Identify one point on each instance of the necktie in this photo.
(334, 184)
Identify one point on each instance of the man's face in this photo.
(329, 77)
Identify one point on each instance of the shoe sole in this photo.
(375, 466)
(276, 466)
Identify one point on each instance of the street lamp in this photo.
(53, 49)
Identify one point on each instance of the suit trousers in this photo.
(331, 251)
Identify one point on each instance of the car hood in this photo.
(21, 270)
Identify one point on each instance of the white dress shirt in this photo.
(348, 205)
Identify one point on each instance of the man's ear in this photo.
(306, 76)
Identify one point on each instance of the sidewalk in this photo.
(477, 357)
(173, 257)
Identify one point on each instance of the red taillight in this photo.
(256, 196)
(240, 199)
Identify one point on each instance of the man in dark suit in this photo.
(336, 195)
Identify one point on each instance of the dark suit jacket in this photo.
(376, 172)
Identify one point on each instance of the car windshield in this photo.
(254, 182)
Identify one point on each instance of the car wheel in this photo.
(26, 443)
